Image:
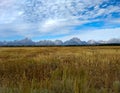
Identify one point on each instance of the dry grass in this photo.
(60, 70)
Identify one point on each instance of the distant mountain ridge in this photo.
(73, 41)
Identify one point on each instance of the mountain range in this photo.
(73, 41)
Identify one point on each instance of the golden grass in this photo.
(60, 69)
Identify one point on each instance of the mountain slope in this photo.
(73, 41)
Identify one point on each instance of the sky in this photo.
(59, 19)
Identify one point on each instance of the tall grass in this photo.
(60, 70)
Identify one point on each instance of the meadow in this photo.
(87, 69)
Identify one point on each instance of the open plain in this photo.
(85, 69)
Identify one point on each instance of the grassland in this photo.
(60, 69)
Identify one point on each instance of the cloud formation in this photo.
(38, 18)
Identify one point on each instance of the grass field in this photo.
(60, 69)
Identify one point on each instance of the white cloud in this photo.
(49, 25)
(115, 21)
(40, 17)
(6, 3)
(58, 9)
(101, 34)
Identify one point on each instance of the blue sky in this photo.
(59, 19)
